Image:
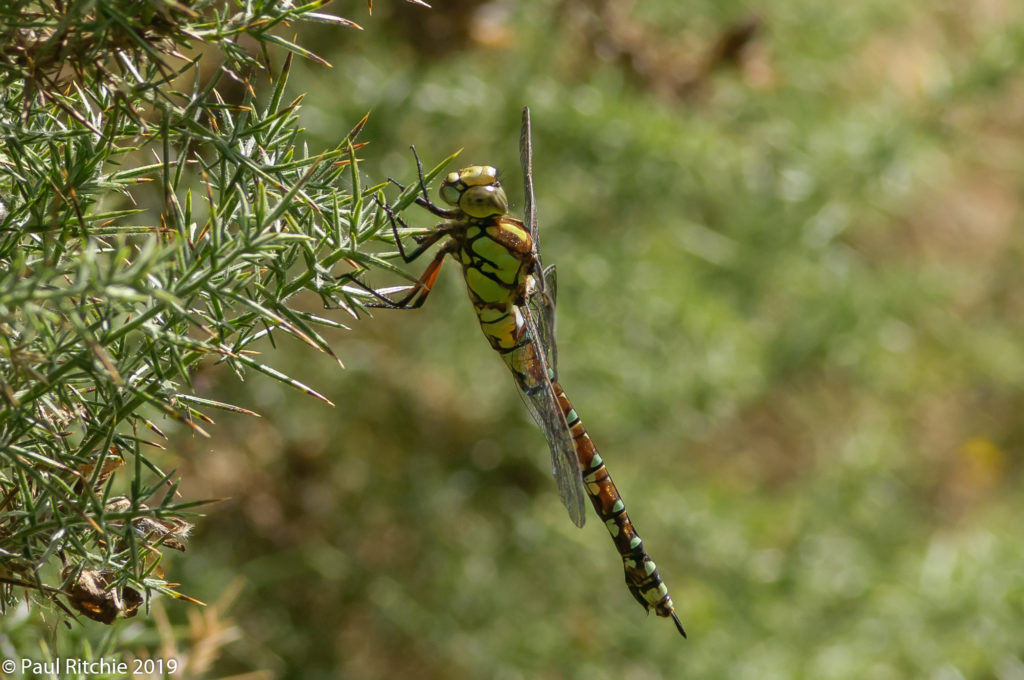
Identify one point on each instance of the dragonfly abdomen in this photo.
(642, 577)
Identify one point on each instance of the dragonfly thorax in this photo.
(475, 191)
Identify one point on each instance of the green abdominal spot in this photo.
(501, 331)
(489, 315)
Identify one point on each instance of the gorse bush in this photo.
(155, 213)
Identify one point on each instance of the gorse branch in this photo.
(153, 214)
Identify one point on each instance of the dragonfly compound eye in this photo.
(451, 189)
(457, 183)
(484, 201)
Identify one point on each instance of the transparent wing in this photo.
(541, 303)
(551, 285)
(526, 159)
(534, 365)
(531, 370)
(541, 300)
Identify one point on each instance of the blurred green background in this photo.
(790, 314)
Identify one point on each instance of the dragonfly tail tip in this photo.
(679, 625)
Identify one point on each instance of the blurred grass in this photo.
(789, 313)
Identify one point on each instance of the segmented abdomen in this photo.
(642, 577)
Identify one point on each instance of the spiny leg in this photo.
(421, 289)
(415, 297)
(424, 241)
(418, 295)
(424, 200)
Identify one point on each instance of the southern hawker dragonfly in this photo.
(514, 299)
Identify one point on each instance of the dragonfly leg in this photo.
(423, 182)
(424, 241)
(416, 296)
(424, 200)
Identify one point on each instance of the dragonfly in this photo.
(514, 298)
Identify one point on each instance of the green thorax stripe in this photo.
(493, 272)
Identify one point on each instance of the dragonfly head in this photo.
(475, 191)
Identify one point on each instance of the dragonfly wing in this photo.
(551, 285)
(526, 159)
(541, 300)
(541, 304)
(530, 367)
(534, 365)
(530, 207)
